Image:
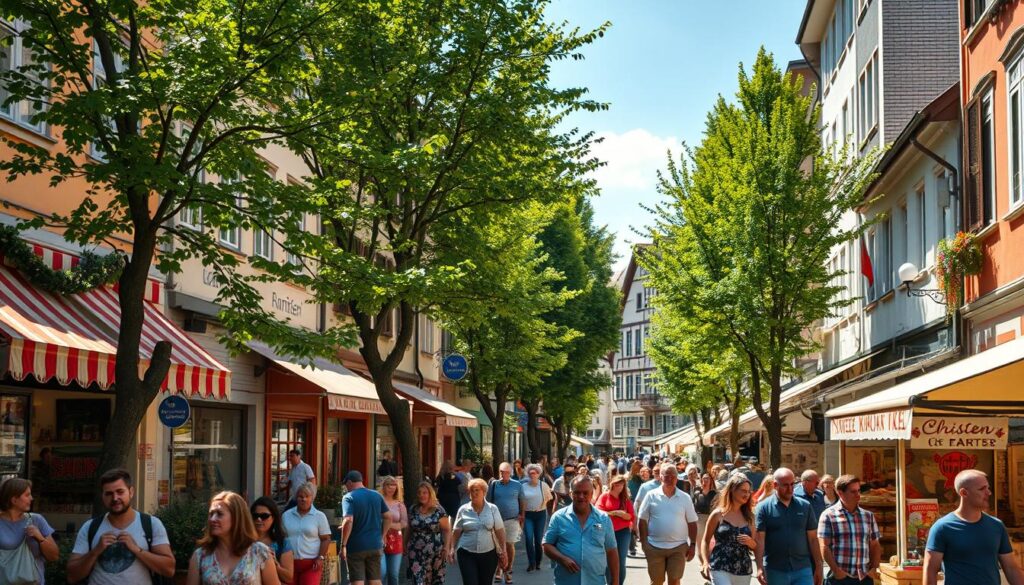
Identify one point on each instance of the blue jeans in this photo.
(803, 576)
(622, 543)
(533, 533)
(389, 565)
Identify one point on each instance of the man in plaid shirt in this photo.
(849, 536)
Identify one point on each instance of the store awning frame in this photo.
(453, 415)
(581, 441)
(345, 390)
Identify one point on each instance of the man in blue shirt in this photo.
(968, 544)
(576, 537)
(556, 468)
(808, 491)
(505, 493)
(787, 550)
(366, 521)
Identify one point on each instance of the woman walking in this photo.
(635, 481)
(535, 499)
(230, 552)
(518, 473)
(595, 478)
(18, 526)
(767, 488)
(447, 485)
(266, 516)
(391, 560)
(828, 485)
(731, 525)
(480, 535)
(430, 538)
(617, 504)
(310, 536)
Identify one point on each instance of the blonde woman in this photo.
(230, 552)
(430, 538)
(480, 535)
(595, 478)
(731, 524)
(391, 560)
(828, 485)
(767, 488)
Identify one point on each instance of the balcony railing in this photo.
(653, 401)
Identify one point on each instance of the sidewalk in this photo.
(636, 572)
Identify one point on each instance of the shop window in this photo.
(385, 441)
(208, 453)
(286, 435)
(13, 436)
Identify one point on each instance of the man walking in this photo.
(126, 547)
(366, 521)
(387, 466)
(968, 544)
(849, 537)
(299, 474)
(668, 528)
(787, 550)
(556, 468)
(576, 538)
(560, 488)
(506, 494)
(808, 491)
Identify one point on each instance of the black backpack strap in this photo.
(94, 527)
(147, 528)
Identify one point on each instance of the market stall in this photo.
(908, 443)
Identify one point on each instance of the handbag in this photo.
(18, 565)
(393, 543)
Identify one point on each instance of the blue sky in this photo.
(661, 67)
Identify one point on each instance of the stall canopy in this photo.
(74, 339)
(686, 435)
(453, 415)
(790, 399)
(346, 390)
(988, 382)
(581, 441)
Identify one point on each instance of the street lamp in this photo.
(908, 273)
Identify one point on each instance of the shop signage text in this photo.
(959, 432)
(454, 367)
(286, 305)
(952, 463)
(894, 424)
(352, 404)
(174, 411)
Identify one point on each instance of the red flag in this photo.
(865, 263)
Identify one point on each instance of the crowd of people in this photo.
(586, 516)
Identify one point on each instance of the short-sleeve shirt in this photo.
(668, 517)
(13, 533)
(850, 535)
(299, 475)
(477, 529)
(645, 488)
(816, 500)
(532, 496)
(304, 531)
(506, 497)
(117, 565)
(367, 509)
(785, 533)
(586, 544)
(607, 503)
(970, 550)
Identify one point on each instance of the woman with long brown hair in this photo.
(616, 503)
(230, 552)
(731, 524)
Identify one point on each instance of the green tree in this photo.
(445, 114)
(148, 99)
(748, 228)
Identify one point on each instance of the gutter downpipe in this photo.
(955, 195)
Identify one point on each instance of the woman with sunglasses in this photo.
(267, 518)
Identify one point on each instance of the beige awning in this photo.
(581, 441)
(453, 415)
(346, 390)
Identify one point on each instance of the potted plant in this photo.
(328, 498)
(958, 257)
(185, 520)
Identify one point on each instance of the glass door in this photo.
(285, 435)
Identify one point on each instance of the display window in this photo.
(14, 411)
(209, 453)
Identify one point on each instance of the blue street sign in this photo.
(174, 411)
(454, 367)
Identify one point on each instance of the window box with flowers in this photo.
(958, 257)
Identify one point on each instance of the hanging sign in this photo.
(454, 367)
(959, 432)
(893, 424)
(174, 411)
(952, 463)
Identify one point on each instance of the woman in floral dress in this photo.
(430, 538)
(230, 552)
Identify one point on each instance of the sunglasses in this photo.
(261, 515)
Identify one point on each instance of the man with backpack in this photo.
(122, 547)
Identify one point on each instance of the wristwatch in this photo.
(321, 557)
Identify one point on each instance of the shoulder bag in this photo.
(18, 565)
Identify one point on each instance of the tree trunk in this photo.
(498, 441)
(532, 440)
(734, 415)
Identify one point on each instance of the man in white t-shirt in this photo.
(120, 552)
(668, 543)
(299, 474)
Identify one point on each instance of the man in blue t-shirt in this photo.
(787, 550)
(366, 521)
(968, 544)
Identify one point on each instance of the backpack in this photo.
(147, 530)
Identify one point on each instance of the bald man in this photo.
(968, 544)
(787, 550)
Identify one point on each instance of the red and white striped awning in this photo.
(74, 339)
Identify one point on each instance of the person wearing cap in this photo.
(366, 519)
(309, 535)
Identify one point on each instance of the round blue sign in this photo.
(174, 411)
(454, 367)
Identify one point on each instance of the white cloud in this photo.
(632, 159)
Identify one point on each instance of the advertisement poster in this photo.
(921, 514)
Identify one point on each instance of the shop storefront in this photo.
(908, 443)
(434, 422)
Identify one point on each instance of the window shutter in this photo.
(973, 186)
